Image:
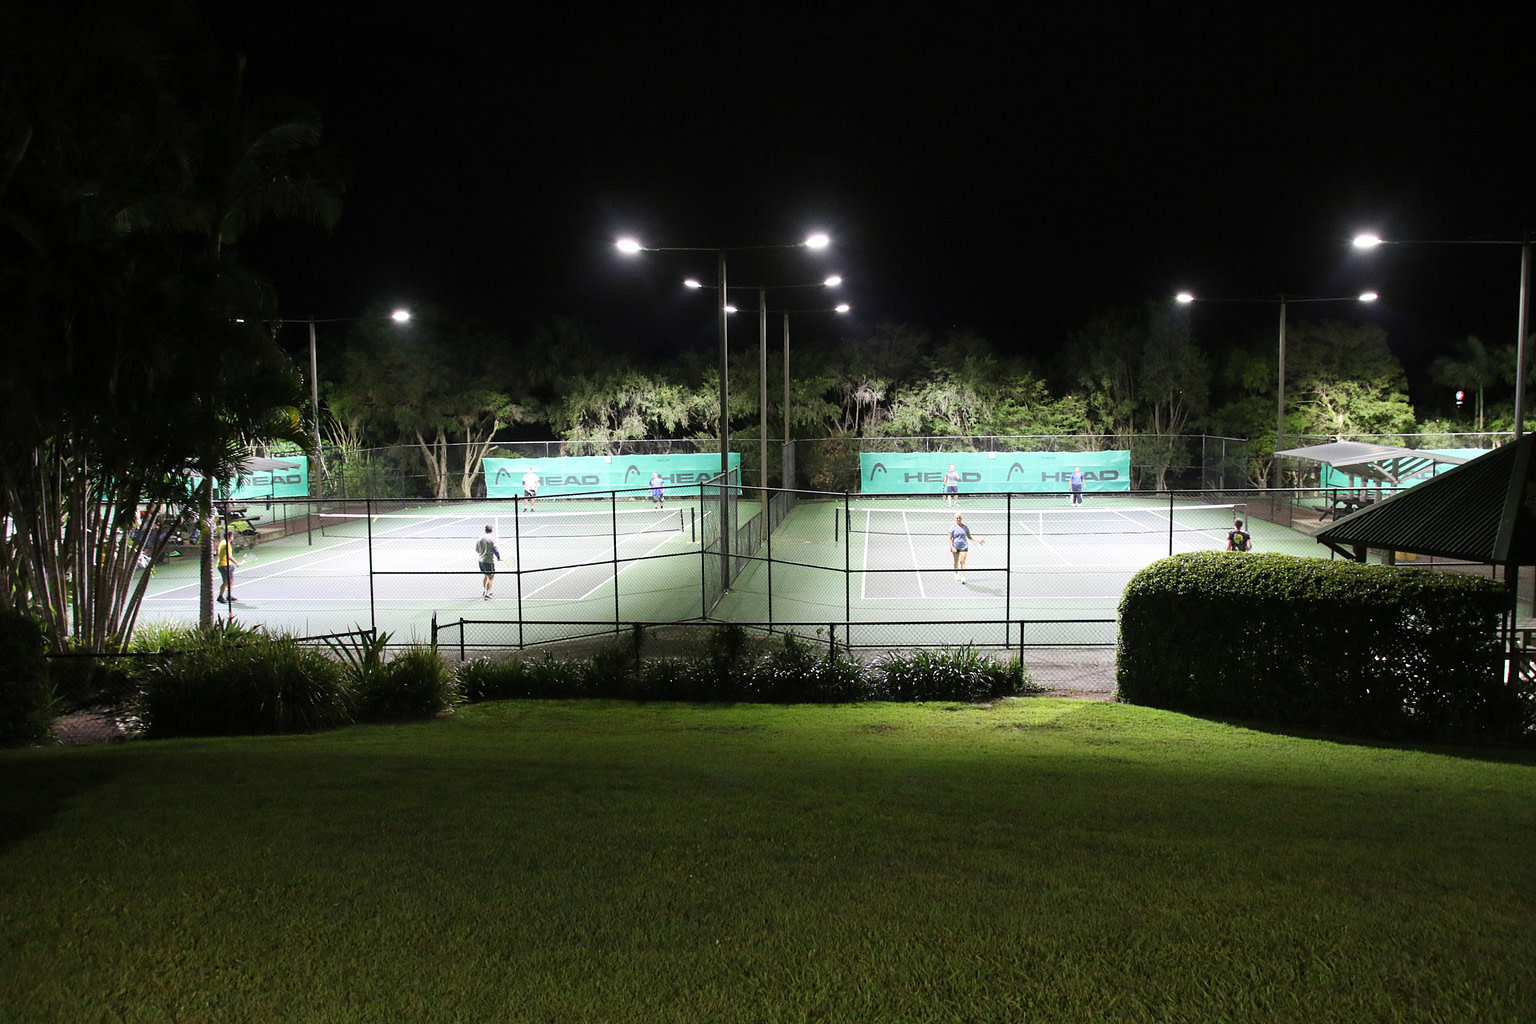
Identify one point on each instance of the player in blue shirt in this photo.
(960, 537)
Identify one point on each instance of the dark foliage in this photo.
(26, 694)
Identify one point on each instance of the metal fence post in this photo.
(517, 564)
(1008, 558)
(373, 613)
(847, 564)
(613, 508)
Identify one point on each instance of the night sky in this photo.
(1009, 173)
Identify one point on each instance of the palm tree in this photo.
(1475, 367)
(135, 352)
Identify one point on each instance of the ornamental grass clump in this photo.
(255, 683)
(793, 671)
(413, 684)
(961, 674)
(543, 678)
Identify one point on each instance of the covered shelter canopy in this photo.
(1386, 463)
(1481, 511)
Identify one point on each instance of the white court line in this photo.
(605, 555)
(664, 539)
(1040, 537)
(916, 567)
(864, 576)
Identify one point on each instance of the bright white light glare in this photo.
(1368, 296)
(1366, 241)
(818, 241)
(691, 283)
(400, 316)
(842, 307)
(628, 246)
(1184, 297)
(833, 281)
(730, 309)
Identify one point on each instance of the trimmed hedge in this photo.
(1367, 650)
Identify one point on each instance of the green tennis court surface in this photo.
(1062, 568)
(1057, 568)
(397, 569)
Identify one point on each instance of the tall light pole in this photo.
(630, 247)
(1282, 301)
(841, 307)
(832, 281)
(1522, 317)
(399, 316)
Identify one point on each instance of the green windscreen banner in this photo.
(288, 482)
(992, 472)
(575, 474)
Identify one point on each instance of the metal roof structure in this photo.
(1481, 511)
(1376, 461)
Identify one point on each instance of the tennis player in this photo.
(1239, 539)
(489, 554)
(657, 483)
(960, 537)
(226, 562)
(530, 488)
(951, 485)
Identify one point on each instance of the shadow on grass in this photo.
(34, 791)
(1524, 753)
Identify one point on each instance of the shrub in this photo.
(27, 701)
(733, 667)
(794, 672)
(962, 674)
(252, 683)
(515, 679)
(1363, 649)
(413, 684)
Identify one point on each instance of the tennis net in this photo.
(1074, 520)
(534, 524)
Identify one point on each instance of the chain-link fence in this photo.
(1157, 461)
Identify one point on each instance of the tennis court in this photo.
(876, 568)
(396, 569)
(1058, 567)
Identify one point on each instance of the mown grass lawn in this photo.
(1040, 860)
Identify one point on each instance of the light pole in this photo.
(1523, 316)
(832, 281)
(1282, 301)
(630, 247)
(399, 316)
(841, 307)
